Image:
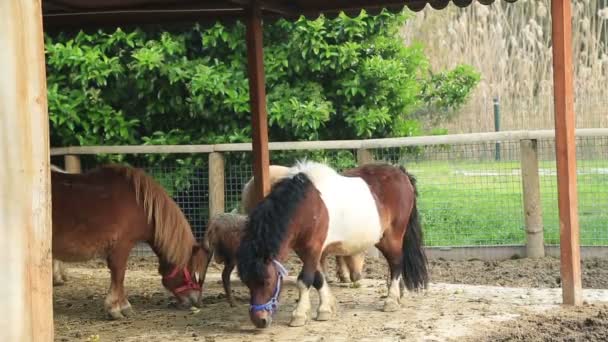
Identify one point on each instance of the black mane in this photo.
(267, 225)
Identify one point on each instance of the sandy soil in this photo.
(514, 300)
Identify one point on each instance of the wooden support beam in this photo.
(565, 149)
(257, 98)
(25, 200)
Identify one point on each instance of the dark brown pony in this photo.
(221, 242)
(314, 211)
(105, 212)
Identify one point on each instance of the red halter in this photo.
(189, 283)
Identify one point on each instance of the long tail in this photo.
(414, 262)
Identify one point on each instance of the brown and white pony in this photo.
(348, 267)
(221, 242)
(105, 212)
(314, 211)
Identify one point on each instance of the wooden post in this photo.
(257, 99)
(565, 150)
(72, 163)
(216, 184)
(535, 242)
(25, 197)
(365, 157)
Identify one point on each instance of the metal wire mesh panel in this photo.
(466, 197)
(592, 179)
(469, 195)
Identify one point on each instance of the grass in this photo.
(464, 203)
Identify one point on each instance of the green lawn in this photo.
(464, 203)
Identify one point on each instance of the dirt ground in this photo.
(512, 300)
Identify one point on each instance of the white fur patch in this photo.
(354, 222)
(57, 169)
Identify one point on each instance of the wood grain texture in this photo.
(257, 98)
(25, 203)
(565, 149)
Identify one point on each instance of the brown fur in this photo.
(105, 212)
(222, 240)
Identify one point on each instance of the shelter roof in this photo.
(88, 13)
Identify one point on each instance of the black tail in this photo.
(414, 262)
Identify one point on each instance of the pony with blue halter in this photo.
(316, 211)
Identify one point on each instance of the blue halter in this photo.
(273, 304)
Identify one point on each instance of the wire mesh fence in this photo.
(469, 195)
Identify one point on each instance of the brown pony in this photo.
(314, 211)
(221, 241)
(348, 267)
(105, 212)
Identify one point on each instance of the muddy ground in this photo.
(512, 300)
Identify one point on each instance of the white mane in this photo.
(316, 172)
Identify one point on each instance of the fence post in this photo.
(535, 246)
(216, 183)
(72, 163)
(365, 156)
(497, 126)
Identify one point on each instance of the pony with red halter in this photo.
(106, 212)
(348, 267)
(315, 210)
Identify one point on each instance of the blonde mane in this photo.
(173, 236)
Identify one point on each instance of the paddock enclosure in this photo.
(32, 304)
(473, 208)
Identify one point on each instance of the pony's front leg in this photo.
(59, 275)
(327, 305)
(116, 304)
(301, 314)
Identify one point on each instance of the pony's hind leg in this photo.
(392, 252)
(228, 267)
(327, 305)
(342, 270)
(116, 304)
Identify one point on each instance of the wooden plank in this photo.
(25, 199)
(566, 151)
(535, 241)
(453, 139)
(216, 184)
(257, 98)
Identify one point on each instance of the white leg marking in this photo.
(327, 305)
(300, 315)
(112, 304)
(393, 299)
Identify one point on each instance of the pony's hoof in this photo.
(343, 279)
(323, 316)
(115, 315)
(128, 311)
(58, 282)
(391, 305)
(298, 321)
